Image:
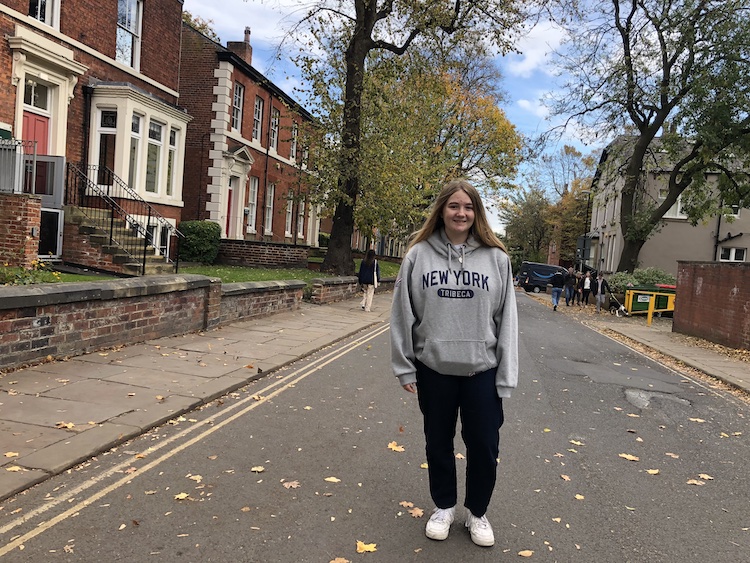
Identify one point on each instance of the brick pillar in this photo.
(20, 221)
(213, 304)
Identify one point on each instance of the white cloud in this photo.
(534, 107)
(535, 47)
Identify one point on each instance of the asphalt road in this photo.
(297, 467)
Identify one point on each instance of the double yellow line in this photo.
(257, 399)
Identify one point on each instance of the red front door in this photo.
(36, 128)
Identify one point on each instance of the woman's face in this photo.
(458, 216)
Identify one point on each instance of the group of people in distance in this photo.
(578, 287)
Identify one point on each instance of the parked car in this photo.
(534, 276)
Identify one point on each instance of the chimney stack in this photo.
(243, 49)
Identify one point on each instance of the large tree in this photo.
(364, 27)
(679, 69)
(427, 116)
(528, 230)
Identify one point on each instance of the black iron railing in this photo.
(130, 223)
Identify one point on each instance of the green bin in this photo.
(637, 298)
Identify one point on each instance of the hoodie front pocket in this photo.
(455, 357)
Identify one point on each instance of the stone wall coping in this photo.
(336, 280)
(40, 295)
(238, 288)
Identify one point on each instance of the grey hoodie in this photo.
(454, 310)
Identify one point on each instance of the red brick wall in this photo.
(713, 302)
(80, 251)
(196, 94)
(61, 320)
(8, 98)
(263, 254)
(20, 219)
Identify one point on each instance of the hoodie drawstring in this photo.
(460, 250)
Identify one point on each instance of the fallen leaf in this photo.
(181, 496)
(212, 457)
(576, 443)
(416, 512)
(292, 484)
(558, 520)
(245, 509)
(13, 468)
(149, 492)
(674, 456)
(460, 456)
(340, 560)
(258, 469)
(423, 466)
(406, 504)
(332, 480)
(547, 430)
(706, 477)
(565, 477)
(629, 508)
(580, 497)
(122, 526)
(65, 425)
(652, 471)
(526, 553)
(695, 482)
(630, 457)
(633, 415)
(696, 420)
(395, 447)
(196, 478)
(308, 408)
(365, 547)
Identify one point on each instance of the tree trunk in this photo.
(629, 257)
(339, 259)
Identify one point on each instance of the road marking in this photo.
(257, 399)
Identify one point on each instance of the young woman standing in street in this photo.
(454, 342)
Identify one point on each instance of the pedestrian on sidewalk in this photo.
(570, 286)
(600, 290)
(586, 288)
(369, 276)
(558, 282)
(454, 342)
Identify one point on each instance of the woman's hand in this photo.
(411, 387)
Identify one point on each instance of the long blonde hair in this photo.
(481, 227)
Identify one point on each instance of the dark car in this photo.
(534, 276)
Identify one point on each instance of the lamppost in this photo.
(583, 241)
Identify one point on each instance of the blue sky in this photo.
(527, 77)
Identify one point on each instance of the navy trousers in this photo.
(441, 399)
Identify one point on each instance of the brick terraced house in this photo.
(92, 133)
(245, 164)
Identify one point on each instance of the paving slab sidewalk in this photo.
(58, 414)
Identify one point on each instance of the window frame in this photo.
(268, 217)
(732, 254)
(238, 102)
(258, 118)
(293, 142)
(252, 203)
(275, 120)
(133, 31)
(159, 144)
(674, 212)
(135, 143)
(289, 214)
(301, 219)
(51, 12)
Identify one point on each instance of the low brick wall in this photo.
(713, 302)
(58, 320)
(257, 299)
(329, 290)
(262, 254)
(20, 220)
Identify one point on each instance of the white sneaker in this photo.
(439, 523)
(480, 530)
